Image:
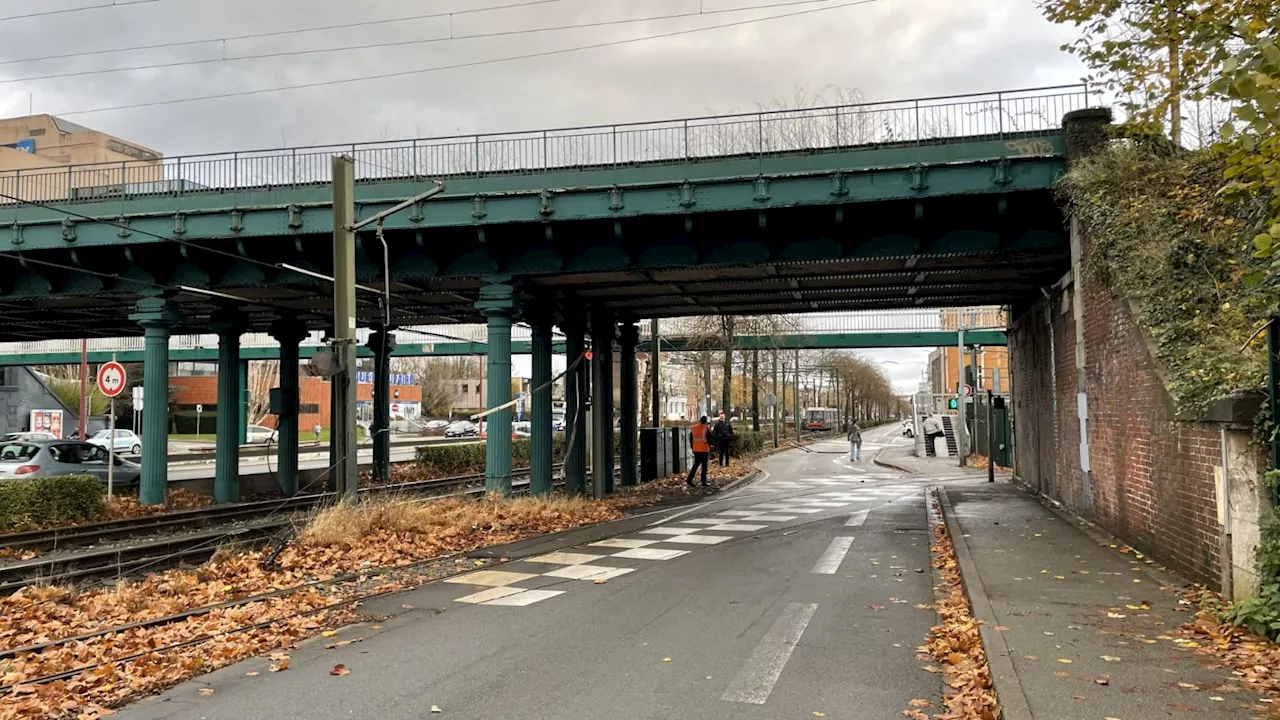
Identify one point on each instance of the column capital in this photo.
(228, 322)
(628, 333)
(497, 299)
(155, 313)
(289, 331)
(375, 340)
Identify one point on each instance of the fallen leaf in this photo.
(339, 669)
(1187, 686)
(375, 627)
(435, 708)
(601, 581)
(919, 703)
(876, 608)
(280, 666)
(1003, 628)
(1061, 674)
(1116, 616)
(666, 659)
(1064, 661)
(252, 673)
(1216, 698)
(1104, 680)
(328, 633)
(206, 691)
(1110, 658)
(819, 714)
(1028, 657)
(931, 668)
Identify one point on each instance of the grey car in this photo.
(45, 458)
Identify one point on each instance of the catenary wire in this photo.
(406, 43)
(470, 64)
(275, 33)
(67, 11)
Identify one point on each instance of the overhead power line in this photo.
(277, 33)
(408, 43)
(65, 11)
(474, 63)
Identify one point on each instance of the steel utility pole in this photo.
(84, 388)
(343, 427)
(777, 398)
(795, 396)
(962, 430)
(656, 386)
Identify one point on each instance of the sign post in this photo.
(199, 409)
(111, 381)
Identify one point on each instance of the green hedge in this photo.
(44, 502)
(469, 459)
(746, 442)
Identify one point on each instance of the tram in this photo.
(822, 418)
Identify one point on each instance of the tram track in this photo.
(259, 521)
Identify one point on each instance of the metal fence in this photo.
(816, 324)
(1020, 114)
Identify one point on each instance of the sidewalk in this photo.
(1075, 628)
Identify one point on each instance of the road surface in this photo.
(792, 596)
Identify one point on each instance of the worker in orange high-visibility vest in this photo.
(700, 439)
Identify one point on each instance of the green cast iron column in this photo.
(540, 442)
(382, 343)
(157, 318)
(601, 405)
(242, 407)
(628, 406)
(289, 335)
(226, 478)
(497, 302)
(575, 430)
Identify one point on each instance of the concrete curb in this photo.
(886, 464)
(1008, 687)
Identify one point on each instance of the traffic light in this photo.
(953, 404)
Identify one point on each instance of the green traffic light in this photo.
(952, 404)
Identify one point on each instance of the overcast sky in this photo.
(883, 49)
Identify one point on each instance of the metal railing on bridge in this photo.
(871, 321)
(1020, 115)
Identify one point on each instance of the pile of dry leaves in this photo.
(1253, 659)
(126, 507)
(956, 645)
(340, 542)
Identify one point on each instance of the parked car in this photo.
(909, 427)
(259, 434)
(434, 424)
(25, 436)
(462, 428)
(45, 458)
(557, 421)
(125, 441)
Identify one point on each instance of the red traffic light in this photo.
(587, 354)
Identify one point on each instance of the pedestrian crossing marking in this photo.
(565, 558)
(493, 593)
(528, 597)
(588, 572)
(739, 527)
(491, 578)
(629, 543)
(701, 539)
(651, 554)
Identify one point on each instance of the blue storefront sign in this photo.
(365, 377)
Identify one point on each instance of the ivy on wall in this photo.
(1163, 234)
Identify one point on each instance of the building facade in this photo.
(43, 158)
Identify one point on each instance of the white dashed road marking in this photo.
(760, 672)
(830, 561)
(856, 519)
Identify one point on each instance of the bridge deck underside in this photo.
(950, 251)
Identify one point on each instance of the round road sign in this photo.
(968, 390)
(111, 379)
(770, 400)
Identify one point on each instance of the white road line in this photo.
(856, 519)
(830, 561)
(760, 672)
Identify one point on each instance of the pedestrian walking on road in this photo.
(723, 435)
(855, 441)
(699, 439)
(316, 429)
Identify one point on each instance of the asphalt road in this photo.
(792, 596)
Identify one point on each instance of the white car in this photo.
(125, 441)
(258, 434)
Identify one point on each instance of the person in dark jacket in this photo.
(723, 435)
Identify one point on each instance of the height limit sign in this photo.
(111, 379)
